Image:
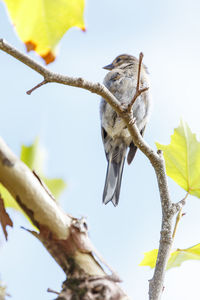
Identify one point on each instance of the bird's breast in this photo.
(114, 125)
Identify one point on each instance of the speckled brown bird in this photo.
(121, 82)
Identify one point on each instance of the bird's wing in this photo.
(133, 149)
(104, 136)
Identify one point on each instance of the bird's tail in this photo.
(113, 180)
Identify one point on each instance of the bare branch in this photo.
(65, 238)
(139, 70)
(52, 291)
(28, 191)
(29, 92)
(96, 88)
(138, 90)
(25, 59)
(156, 159)
(137, 94)
(50, 76)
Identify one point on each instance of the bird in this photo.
(121, 81)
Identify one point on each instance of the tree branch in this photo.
(66, 238)
(138, 90)
(29, 92)
(156, 159)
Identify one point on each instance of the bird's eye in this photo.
(118, 59)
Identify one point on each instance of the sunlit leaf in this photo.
(34, 157)
(41, 24)
(177, 257)
(149, 258)
(180, 255)
(56, 186)
(182, 159)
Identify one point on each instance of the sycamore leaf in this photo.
(150, 258)
(40, 24)
(177, 257)
(56, 185)
(5, 220)
(182, 159)
(34, 157)
(181, 255)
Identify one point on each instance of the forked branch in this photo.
(169, 209)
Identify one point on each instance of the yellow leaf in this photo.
(41, 24)
(150, 258)
(182, 159)
(177, 257)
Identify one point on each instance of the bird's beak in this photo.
(109, 67)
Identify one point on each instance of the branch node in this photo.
(176, 207)
(156, 284)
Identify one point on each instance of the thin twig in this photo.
(137, 94)
(52, 291)
(138, 91)
(139, 70)
(36, 87)
(179, 215)
(50, 76)
(178, 218)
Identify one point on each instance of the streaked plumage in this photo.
(122, 82)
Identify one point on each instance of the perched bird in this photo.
(121, 81)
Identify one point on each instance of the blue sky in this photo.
(67, 121)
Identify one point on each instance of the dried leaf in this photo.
(5, 220)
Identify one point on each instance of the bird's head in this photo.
(120, 61)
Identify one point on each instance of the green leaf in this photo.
(34, 157)
(40, 24)
(180, 255)
(56, 186)
(177, 257)
(182, 159)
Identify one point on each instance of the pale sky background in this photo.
(67, 121)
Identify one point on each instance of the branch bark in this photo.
(66, 238)
(169, 209)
